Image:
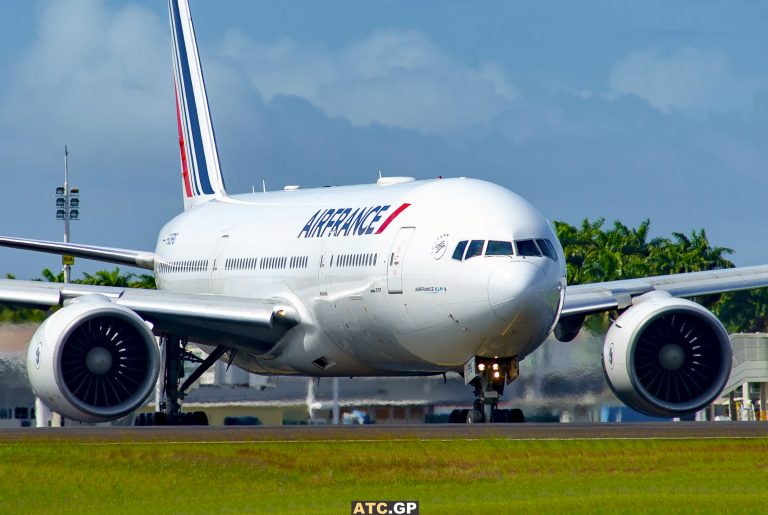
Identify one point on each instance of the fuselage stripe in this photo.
(392, 217)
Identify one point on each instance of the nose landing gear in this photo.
(488, 376)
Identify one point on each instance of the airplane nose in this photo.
(514, 285)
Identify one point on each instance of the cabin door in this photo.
(396, 259)
(217, 264)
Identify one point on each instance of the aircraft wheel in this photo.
(456, 418)
(199, 418)
(500, 416)
(516, 416)
(475, 417)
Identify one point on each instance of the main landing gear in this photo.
(488, 376)
(170, 397)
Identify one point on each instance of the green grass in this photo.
(484, 476)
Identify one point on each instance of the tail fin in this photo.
(201, 172)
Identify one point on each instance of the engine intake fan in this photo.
(667, 357)
(93, 361)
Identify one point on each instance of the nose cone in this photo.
(518, 285)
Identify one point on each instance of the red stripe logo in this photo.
(184, 167)
(392, 217)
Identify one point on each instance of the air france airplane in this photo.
(396, 278)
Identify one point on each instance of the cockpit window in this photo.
(458, 254)
(548, 249)
(527, 248)
(499, 248)
(475, 248)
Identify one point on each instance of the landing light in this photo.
(481, 367)
(496, 375)
(495, 366)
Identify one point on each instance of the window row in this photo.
(191, 265)
(19, 413)
(266, 263)
(467, 249)
(350, 260)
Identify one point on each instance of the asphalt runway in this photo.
(591, 431)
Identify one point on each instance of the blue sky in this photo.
(625, 110)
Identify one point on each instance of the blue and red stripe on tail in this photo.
(201, 171)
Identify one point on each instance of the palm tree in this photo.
(106, 278)
(50, 277)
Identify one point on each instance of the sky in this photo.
(625, 110)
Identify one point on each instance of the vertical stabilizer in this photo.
(200, 169)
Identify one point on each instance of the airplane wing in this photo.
(585, 299)
(106, 254)
(254, 324)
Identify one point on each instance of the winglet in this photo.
(201, 172)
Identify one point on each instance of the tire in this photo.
(516, 416)
(455, 417)
(463, 414)
(140, 420)
(475, 417)
(500, 416)
(199, 418)
(150, 418)
(161, 419)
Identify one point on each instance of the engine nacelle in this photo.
(93, 360)
(667, 357)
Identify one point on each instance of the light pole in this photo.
(67, 208)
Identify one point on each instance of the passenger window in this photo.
(475, 248)
(458, 254)
(527, 248)
(499, 248)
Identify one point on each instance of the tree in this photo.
(106, 278)
(15, 314)
(594, 253)
(50, 277)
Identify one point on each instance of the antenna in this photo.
(379, 174)
(264, 185)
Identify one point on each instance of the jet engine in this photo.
(93, 360)
(667, 357)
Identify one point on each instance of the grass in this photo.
(455, 476)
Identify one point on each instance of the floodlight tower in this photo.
(67, 208)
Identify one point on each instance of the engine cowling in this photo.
(667, 357)
(93, 360)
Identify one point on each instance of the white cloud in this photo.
(688, 79)
(111, 67)
(393, 77)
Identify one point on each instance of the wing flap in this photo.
(214, 308)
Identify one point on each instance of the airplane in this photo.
(402, 277)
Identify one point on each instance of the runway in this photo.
(252, 434)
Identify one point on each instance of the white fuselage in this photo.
(371, 271)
